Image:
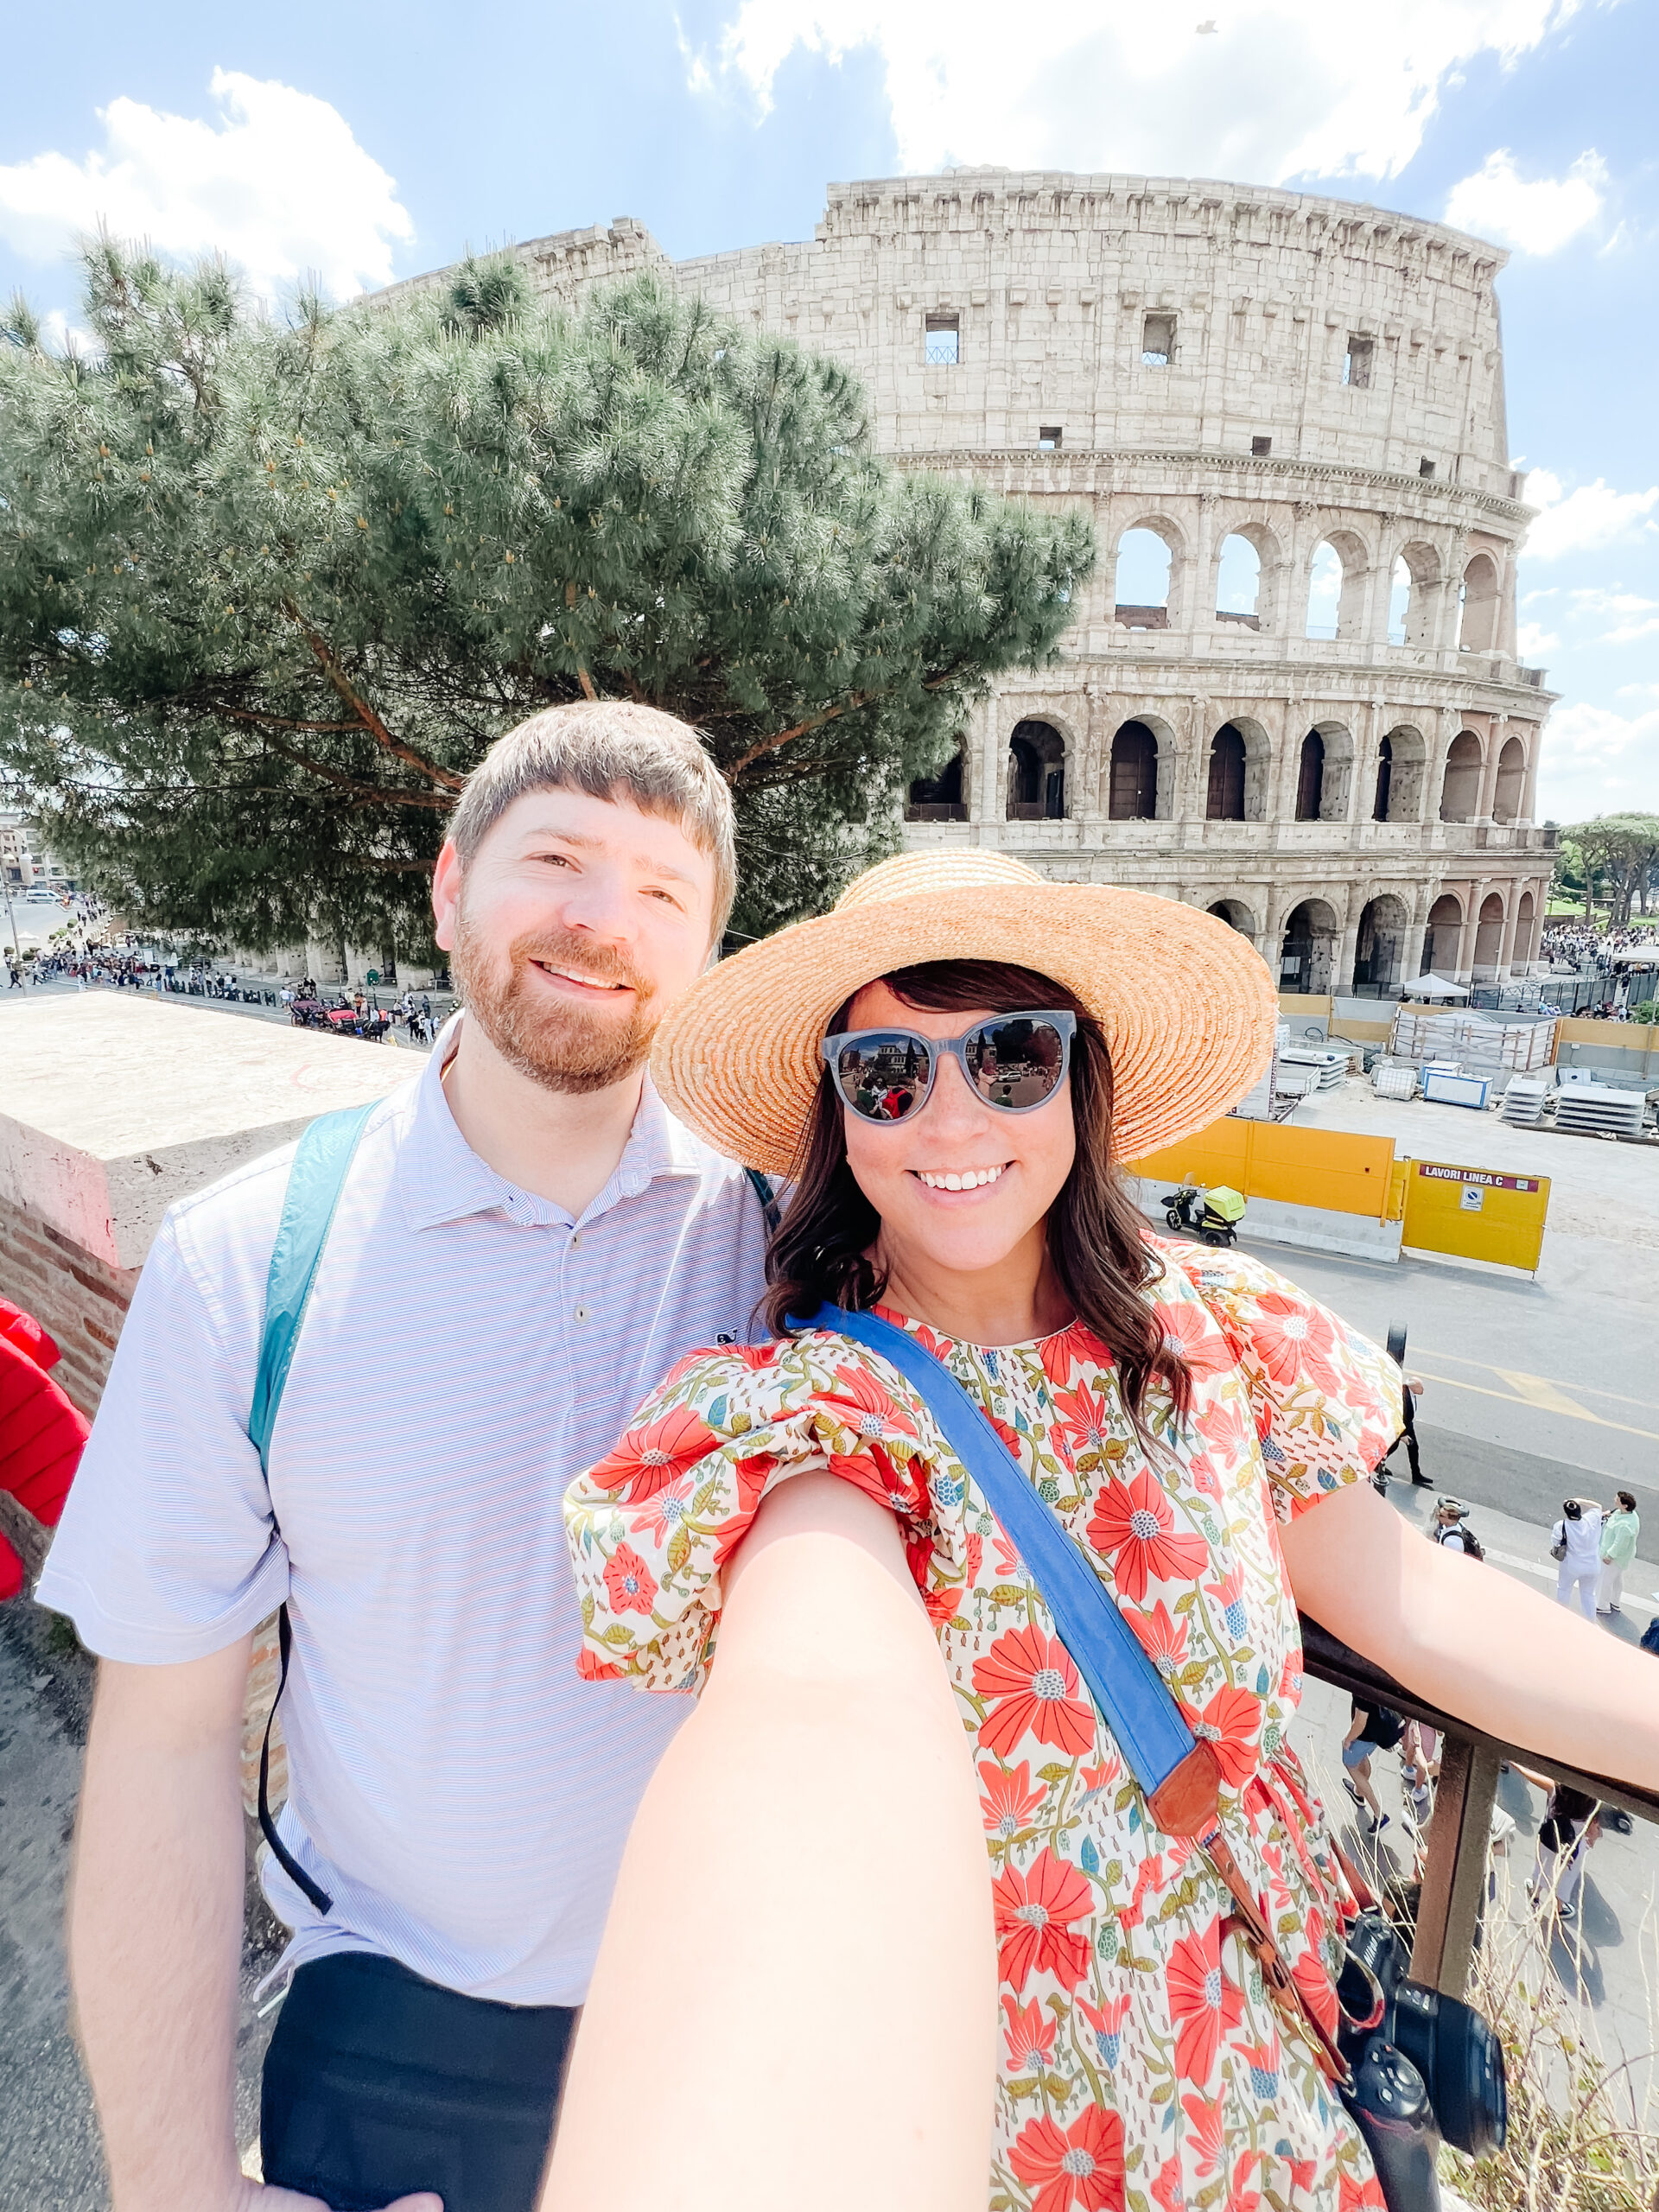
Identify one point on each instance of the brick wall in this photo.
(81, 1299)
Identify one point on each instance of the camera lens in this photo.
(1461, 2059)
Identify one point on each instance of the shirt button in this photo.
(575, 1239)
(581, 1313)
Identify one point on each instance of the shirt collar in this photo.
(442, 1178)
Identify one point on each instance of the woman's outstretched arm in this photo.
(795, 2000)
(1467, 1637)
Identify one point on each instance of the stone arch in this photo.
(1307, 950)
(1525, 919)
(1236, 915)
(1133, 776)
(1380, 942)
(1336, 598)
(1460, 778)
(1399, 797)
(1489, 937)
(1479, 605)
(941, 797)
(1310, 778)
(1225, 787)
(1511, 781)
(1421, 616)
(1442, 936)
(1036, 771)
(1145, 595)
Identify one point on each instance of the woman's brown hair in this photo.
(1096, 1236)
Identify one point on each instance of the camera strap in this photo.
(1178, 1774)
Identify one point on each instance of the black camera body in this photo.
(1424, 2065)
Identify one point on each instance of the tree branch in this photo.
(446, 778)
(379, 791)
(831, 713)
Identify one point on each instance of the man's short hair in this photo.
(611, 749)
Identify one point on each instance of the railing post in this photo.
(1455, 1877)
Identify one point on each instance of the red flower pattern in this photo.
(1192, 1556)
(1203, 2002)
(1131, 1525)
(629, 1583)
(1009, 1802)
(1033, 1687)
(1035, 1911)
(1080, 2165)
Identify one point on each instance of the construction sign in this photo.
(1476, 1214)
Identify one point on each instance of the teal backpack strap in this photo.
(315, 1182)
(761, 1184)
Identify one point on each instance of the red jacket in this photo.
(41, 1432)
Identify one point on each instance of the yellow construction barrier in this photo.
(1474, 1214)
(1326, 1168)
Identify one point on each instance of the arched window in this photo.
(1238, 582)
(1036, 773)
(1478, 617)
(1489, 936)
(1524, 948)
(1324, 591)
(1134, 791)
(1310, 778)
(1225, 801)
(1442, 937)
(938, 798)
(1384, 780)
(1141, 589)
(1399, 601)
(1511, 781)
(1377, 942)
(1309, 952)
(1461, 786)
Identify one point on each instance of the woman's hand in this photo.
(1507, 1660)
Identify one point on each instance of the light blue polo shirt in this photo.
(469, 1349)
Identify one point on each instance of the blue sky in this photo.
(366, 142)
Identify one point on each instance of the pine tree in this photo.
(269, 589)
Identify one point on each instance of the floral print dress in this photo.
(1143, 2066)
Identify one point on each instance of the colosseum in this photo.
(1291, 694)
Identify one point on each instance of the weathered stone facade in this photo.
(1204, 362)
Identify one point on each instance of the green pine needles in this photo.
(269, 589)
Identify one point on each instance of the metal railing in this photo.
(1459, 1833)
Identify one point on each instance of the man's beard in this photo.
(562, 1045)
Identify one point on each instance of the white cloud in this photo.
(1534, 216)
(1596, 761)
(1532, 639)
(1585, 519)
(1284, 87)
(276, 181)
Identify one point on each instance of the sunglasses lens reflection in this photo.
(884, 1075)
(1016, 1062)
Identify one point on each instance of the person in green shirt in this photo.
(1619, 1537)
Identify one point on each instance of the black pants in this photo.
(378, 2083)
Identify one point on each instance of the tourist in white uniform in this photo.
(525, 1241)
(1575, 1545)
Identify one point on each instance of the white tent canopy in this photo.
(1433, 987)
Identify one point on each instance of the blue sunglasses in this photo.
(1015, 1062)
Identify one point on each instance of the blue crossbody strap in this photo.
(316, 1181)
(1180, 1775)
(1138, 1706)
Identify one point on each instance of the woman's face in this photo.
(1021, 1161)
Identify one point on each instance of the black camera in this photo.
(1424, 2065)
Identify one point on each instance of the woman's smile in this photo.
(960, 1178)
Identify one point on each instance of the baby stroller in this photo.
(1214, 1215)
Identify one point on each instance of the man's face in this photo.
(576, 924)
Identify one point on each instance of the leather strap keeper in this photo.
(1185, 1802)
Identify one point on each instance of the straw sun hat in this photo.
(1185, 1002)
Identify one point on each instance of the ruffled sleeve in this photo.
(1326, 1399)
(652, 1525)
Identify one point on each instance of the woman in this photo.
(1575, 1544)
(791, 2004)
(1619, 1538)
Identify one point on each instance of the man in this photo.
(1373, 1728)
(526, 1223)
(1575, 1545)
